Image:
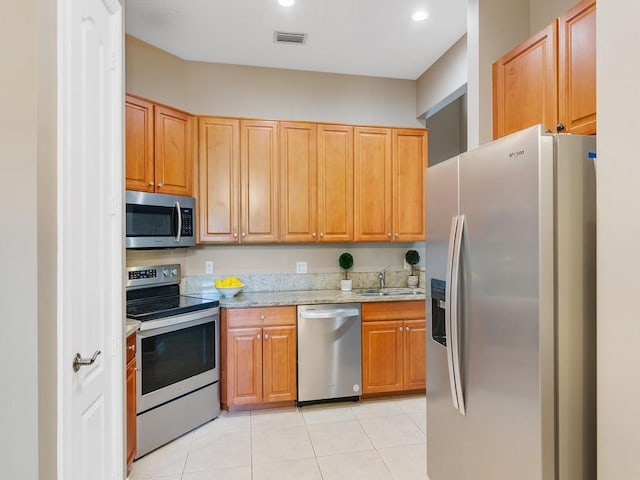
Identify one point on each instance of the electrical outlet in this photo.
(301, 267)
(406, 265)
(208, 267)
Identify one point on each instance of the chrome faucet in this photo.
(381, 277)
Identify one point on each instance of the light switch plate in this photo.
(208, 267)
(301, 267)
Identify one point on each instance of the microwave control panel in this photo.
(153, 275)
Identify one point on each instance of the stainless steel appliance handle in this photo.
(455, 320)
(336, 313)
(447, 310)
(179, 235)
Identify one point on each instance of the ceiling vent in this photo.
(290, 38)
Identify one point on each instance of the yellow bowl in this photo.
(229, 292)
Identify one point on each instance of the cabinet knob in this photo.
(401, 329)
(258, 336)
(397, 234)
(321, 234)
(313, 234)
(266, 336)
(560, 128)
(389, 234)
(160, 185)
(407, 329)
(131, 347)
(262, 316)
(235, 234)
(151, 184)
(244, 234)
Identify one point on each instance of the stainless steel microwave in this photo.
(155, 220)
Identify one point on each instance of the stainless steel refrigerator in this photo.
(510, 264)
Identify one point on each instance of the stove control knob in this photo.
(174, 271)
(165, 273)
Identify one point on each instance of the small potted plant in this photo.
(346, 262)
(412, 257)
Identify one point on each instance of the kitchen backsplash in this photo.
(297, 282)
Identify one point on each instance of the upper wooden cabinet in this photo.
(238, 172)
(219, 179)
(525, 85)
(550, 78)
(316, 171)
(389, 184)
(577, 68)
(159, 142)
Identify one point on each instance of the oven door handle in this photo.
(169, 324)
(179, 234)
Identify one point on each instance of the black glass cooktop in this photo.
(160, 302)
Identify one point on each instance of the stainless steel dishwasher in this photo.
(329, 352)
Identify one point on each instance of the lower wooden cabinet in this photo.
(259, 355)
(131, 400)
(393, 347)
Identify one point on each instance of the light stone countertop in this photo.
(307, 297)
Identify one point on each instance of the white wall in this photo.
(445, 77)
(18, 255)
(618, 71)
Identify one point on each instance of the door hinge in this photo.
(114, 61)
(114, 346)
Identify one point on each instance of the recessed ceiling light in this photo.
(420, 16)
(286, 3)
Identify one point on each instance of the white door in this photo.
(90, 244)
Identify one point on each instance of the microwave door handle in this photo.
(179, 235)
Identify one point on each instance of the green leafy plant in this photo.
(346, 262)
(412, 257)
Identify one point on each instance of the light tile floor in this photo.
(370, 439)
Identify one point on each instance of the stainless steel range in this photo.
(178, 356)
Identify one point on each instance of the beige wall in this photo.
(47, 231)
(154, 73)
(236, 90)
(543, 12)
(618, 70)
(445, 77)
(19, 231)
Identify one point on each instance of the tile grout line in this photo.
(315, 454)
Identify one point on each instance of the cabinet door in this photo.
(173, 151)
(525, 85)
(219, 179)
(372, 161)
(382, 359)
(298, 180)
(139, 144)
(259, 181)
(415, 358)
(279, 364)
(409, 163)
(131, 412)
(335, 183)
(244, 366)
(577, 68)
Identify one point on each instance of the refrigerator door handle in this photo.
(455, 321)
(447, 311)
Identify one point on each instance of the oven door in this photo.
(176, 356)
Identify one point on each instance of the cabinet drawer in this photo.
(131, 347)
(393, 310)
(262, 316)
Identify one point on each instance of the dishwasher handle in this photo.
(334, 313)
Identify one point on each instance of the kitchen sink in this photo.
(377, 292)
